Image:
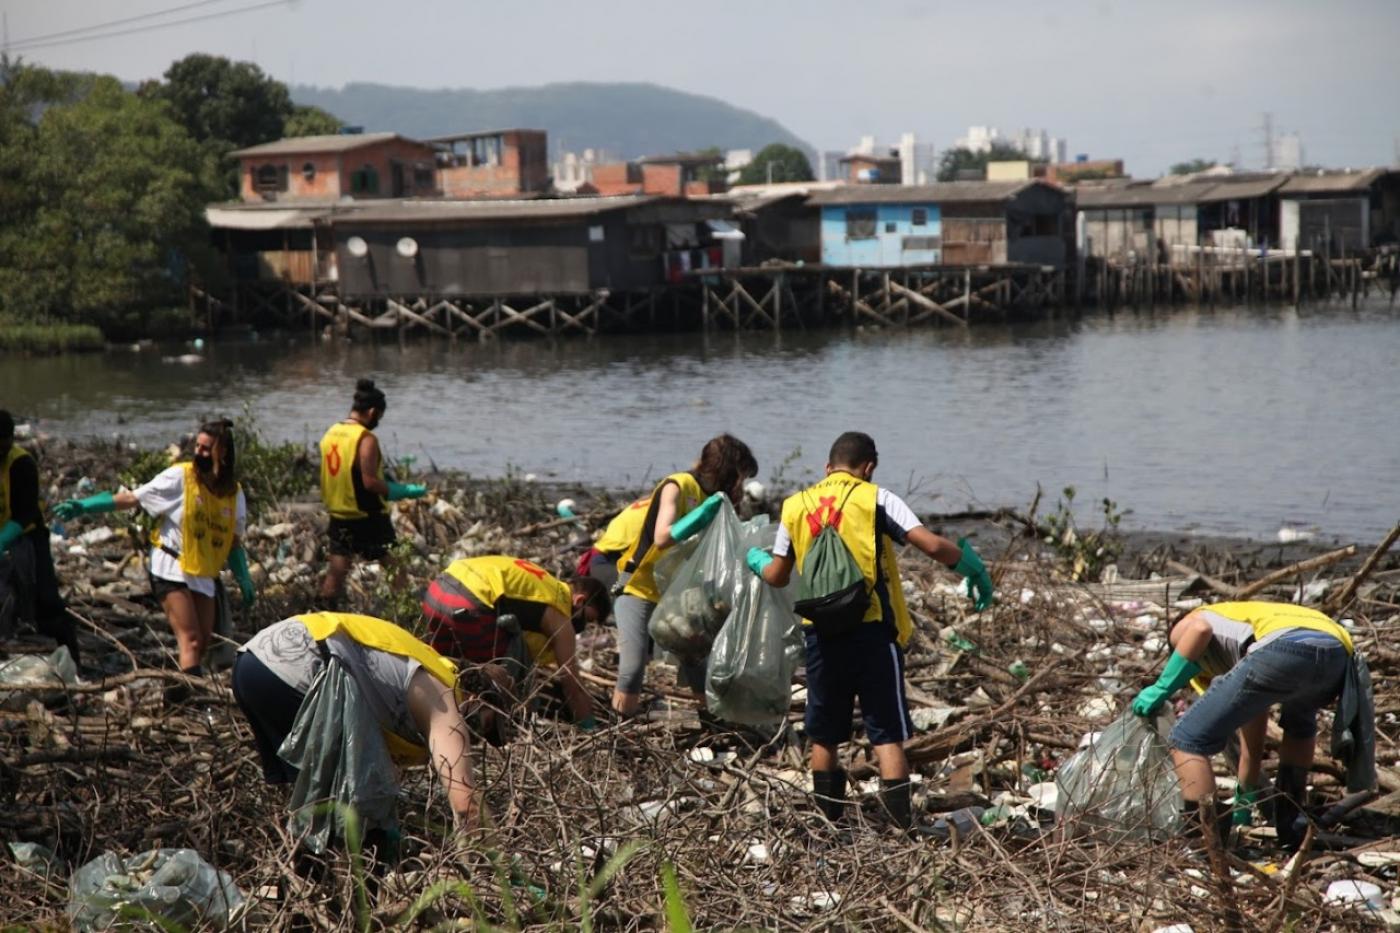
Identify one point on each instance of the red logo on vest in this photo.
(825, 514)
(530, 568)
(333, 461)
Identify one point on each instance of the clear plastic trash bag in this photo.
(1123, 781)
(342, 763)
(55, 670)
(749, 676)
(699, 593)
(161, 889)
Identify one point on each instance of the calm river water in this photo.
(1229, 421)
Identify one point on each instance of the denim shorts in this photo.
(1303, 677)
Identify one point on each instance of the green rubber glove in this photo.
(697, 519)
(588, 724)
(979, 582)
(1175, 675)
(92, 505)
(399, 491)
(758, 559)
(238, 563)
(9, 534)
(1242, 807)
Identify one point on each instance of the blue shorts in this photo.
(1303, 676)
(866, 664)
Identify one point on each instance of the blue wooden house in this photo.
(954, 223)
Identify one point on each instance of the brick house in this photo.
(328, 168)
(498, 163)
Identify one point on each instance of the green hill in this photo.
(624, 120)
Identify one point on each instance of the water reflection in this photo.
(1228, 421)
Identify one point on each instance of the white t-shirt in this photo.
(892, 517)
(164, 498)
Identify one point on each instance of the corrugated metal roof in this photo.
(1226, 189)
(1114, 196)
(953, 192)
(336, 142)
(430, 211)
(1339, 182)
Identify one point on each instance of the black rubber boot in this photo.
(177, 694)
(896, 798)
(1290, 796)
(829, 791)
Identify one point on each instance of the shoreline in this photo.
(1003, 529)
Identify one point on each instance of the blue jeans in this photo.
(1302, 677)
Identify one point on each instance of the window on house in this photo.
(860, 224)
(270, 178)
(920, 218)
(890, 226)
(644, 241)
(365, 181)
(422, 177)
(308, 171)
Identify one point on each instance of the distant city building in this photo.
(910, 162)
(828, 165)
(918, 162)
(735, 161)
(1288, 153)
(575, 169)
(1036, 144)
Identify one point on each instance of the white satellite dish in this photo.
(357, 247)
(407, 247)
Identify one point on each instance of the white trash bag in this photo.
(1123, 781)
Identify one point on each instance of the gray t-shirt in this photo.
(289, 651)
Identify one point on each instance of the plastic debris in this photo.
(55, 670)
(1123, 782)
(1360, 893)
(173, 887)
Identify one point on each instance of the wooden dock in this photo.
(790, 296)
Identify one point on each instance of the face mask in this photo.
(203, 463)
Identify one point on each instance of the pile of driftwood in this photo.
(585, 829)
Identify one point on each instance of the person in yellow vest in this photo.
(355, 490)
(600, 560)
(410, 689)
(1249, 657)
(681, 506)
(25, 539)
(864, 658)
(201, 514)
(464, 605)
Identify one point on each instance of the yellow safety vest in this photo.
(207, 528)
(849, 504)
(493, 576)
(624, 529)
(340, 445)
(16, 452)
(1265, 618)
(643, 583)
(369, 632)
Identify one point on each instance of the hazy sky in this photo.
(1152, 82)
